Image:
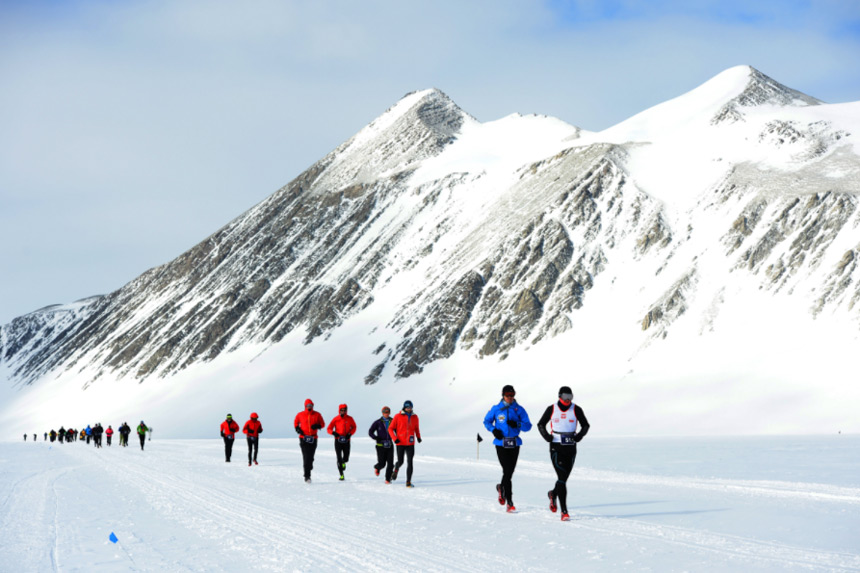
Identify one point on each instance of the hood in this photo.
(309, 401)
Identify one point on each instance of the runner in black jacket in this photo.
(562, 439)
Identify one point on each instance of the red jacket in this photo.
(229, 428)
(305, 419)
(343, 425)
(109, 431)
(253, 428)
(404, 428)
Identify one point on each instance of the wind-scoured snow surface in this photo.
(660, 504)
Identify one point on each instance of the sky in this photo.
(130, 131)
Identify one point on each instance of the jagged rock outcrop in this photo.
(454, 247)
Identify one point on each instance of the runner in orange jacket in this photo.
(228, 432)
(307, 423)
(342, 427)
(404, 431)
(252, 430)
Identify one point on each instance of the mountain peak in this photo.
(753, 89)
(724, 98)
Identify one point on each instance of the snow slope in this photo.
(660, 504)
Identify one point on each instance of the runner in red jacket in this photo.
(404, 431)
(228, 432)
(252, 430)
(342, 427)
(109, 434)
(307, 423)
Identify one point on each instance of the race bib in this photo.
(411, 439)
(342, 439)
(509, 442)
(567, 440)
(386, 444)
(310, 439)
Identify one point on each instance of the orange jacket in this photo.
(253, 428)
(305, 419)
(404, 429)
(229, 428)
(343, 425)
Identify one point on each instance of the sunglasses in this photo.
(343, 409)
(510, 394)
(566, 396)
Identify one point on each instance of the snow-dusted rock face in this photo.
(485, 238)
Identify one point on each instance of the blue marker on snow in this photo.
(113, 538)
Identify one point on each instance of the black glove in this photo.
(419, 440)
(222, 434)
(299, 430)
(397, 441)
(335, 434)
(316, 427)
(576, 438)
(547, 437)
(498, 434)
(513, 423)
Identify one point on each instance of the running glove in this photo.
(498, 434)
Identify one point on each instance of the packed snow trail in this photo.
(179, 507)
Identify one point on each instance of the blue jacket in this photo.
(498, 416)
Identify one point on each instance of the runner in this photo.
(124, 431)
(342, 427)
(404, 431)
(109, 433)
(228, 432)
(384, 452)
(506, 420)
(307, 423)
(141, 433)
(563, 417)
(252, 430)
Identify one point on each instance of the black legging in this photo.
(341, 450)
(410, 453)
(253, 444)
(308, 451)
(385, 459)
(142, 440)
(562, 458)
(508, 458)
(228, 447)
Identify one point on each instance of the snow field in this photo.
(667, 504)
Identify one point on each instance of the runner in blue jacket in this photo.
(506, 420)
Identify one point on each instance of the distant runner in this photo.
(252, 430)
(141, 433)
(404, 431)
(307, 423)
(342, 427)
(384, 448)
(228, 432)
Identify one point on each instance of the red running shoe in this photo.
(565, 517)
(376, 470)
(552, 506)
(255, 463)
(511, 509)
(501, 497)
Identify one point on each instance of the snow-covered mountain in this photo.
(711, 241)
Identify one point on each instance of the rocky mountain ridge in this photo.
(484, 239)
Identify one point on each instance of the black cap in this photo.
(565, 390)
(508, 389)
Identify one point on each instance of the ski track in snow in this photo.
(178, 507)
